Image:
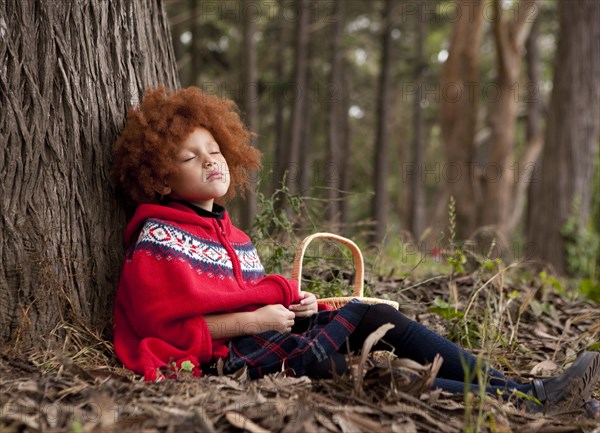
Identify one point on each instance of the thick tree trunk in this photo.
(250, 98)
(69, 72)
(572, 132)
(458, 114)
(381, 173)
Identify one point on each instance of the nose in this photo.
(209, 163)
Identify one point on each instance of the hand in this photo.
(274, 318)
(307, 305)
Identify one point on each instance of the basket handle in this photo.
(359, 267)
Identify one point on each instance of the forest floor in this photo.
(524, 327)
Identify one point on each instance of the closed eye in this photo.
(189, 158)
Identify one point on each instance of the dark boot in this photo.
(592, 409)
(571, 390)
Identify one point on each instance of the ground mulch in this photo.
(530, 330)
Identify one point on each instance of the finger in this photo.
(308, 300)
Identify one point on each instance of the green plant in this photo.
(582, 242)
(272, 230)
(274, 234)
(457, 258)
(582, 250)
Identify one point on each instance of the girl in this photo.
(193, 290)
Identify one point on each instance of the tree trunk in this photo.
(499, 174)
(572, 133)
(250, 97)
(332, 170)
(381, 174)
(417, 195)
(533, 131)
(345, 150)
(300, 92)
(281, 145)
(195, 51)
(458, 114)
(69, 72)
(306, 136)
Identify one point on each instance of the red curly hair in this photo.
(144, 153)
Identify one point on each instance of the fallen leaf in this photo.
(238, 420)
(544, 368)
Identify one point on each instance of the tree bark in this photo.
(499, 176)
(333, 171)
(458, 114)
(417, 195)
(250, 97)
(381, 173)
(533, 130)
(572, 133)
(300, 92)
(281, 145)
(345, 178)
(306, 157)
(69, 72)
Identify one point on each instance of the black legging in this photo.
(410, 339)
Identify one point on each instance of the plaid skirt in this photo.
(312, 340)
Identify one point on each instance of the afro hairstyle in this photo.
(144, 153)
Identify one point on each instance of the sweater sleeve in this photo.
(160, 307)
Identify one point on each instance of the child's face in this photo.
(203, 173)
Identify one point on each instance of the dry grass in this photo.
(79, 386)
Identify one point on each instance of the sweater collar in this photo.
(217, 211)
(177, 213)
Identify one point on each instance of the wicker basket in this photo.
(359, 268)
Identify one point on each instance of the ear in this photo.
(165, 190)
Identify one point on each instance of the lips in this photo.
(215, 175)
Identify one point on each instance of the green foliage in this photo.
(274, 234)
(187, 366)
(582, 250)
(582, 244)
(445, 310)
(273, 231)
(552, 281)
(594, 346)
(76, 426)
(325, 289)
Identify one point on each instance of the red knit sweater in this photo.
(179, 267)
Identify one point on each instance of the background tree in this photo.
(250, 98)
(416, 217)
(69, 71)
(563, 183)
(471, 48)
(333, 166)
(459, 113)
(510, 34)
(382, 131)
(299, 90)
